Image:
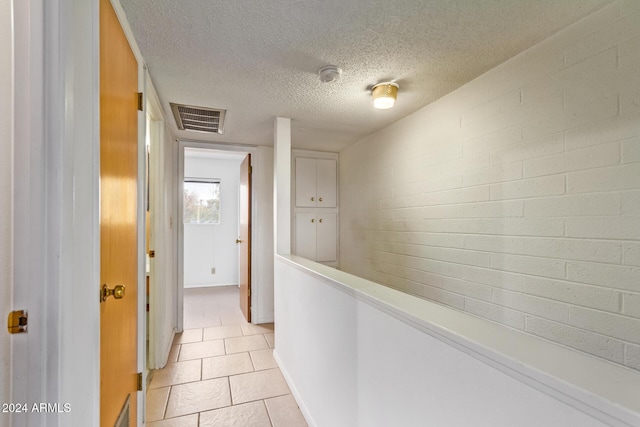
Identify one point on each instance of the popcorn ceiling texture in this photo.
(516, 197)
(259, 59)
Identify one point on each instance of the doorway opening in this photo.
(214, 235)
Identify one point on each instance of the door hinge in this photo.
(250, 169)
(139, 381)
(17, 321)
(249, 292)
(140, 101)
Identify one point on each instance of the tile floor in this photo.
(221, 370)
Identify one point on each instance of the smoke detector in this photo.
(329, 73)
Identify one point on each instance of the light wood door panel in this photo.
(245, 237)
(118, 217)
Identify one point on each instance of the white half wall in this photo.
(356, 353)
(517, 197)
(6, 171)
(208, 246)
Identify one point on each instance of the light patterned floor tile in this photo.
(248, 343)
(199, 396)
(284, 412)
(232, 319)
(187, 421)
(156, 403)
(257, 385)
(263, 359)
(198, 350)
(189, 335)
(220, 332)
(177, 373)
(223, 366)
(271, 339)
(252, 414)
(173, 354)
(251, 329)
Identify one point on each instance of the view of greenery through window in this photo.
(201, 202)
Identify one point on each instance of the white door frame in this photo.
(180, 186)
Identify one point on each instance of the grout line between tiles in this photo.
(264, 402)
(166, 405)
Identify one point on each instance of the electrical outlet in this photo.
(213, 270)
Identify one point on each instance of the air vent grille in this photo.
(200, 119)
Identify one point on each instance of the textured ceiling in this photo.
(259, 59)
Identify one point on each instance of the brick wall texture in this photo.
(516, 198)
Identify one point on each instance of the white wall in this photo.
(213, 246)
(517, 197)
(6, 92)
(263, 244)
(358, 354)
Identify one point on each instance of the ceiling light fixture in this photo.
(329, 73)
(384, 95)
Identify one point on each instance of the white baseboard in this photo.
(294, 392)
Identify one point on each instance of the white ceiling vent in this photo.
(200, 119)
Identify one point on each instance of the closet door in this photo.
(326, 183)
(326, 231)
(306, 235)
(305, 182)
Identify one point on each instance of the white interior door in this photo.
(306, 235)
(326, 183)
(305, 182)
(326, 248)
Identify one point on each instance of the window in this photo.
(201, 201)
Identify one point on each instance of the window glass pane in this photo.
(201, 202)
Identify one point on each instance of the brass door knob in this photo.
(117, 292)
(238, 241)
(320, 199)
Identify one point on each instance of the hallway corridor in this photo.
(221, 371)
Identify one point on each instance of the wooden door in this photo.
(118, 218)
(244, 240)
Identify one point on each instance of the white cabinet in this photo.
(316, 183)
(315, 206)
(316, 236)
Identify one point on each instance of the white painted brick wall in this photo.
(517, 197)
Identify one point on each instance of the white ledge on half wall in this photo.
(592, 385)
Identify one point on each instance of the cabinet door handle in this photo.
(320, 220)
(313, 199)
(320, 199)
(313, 220)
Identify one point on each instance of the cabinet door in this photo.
(326, 232)
(305, 182)
(305, 239)
(326, 183)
